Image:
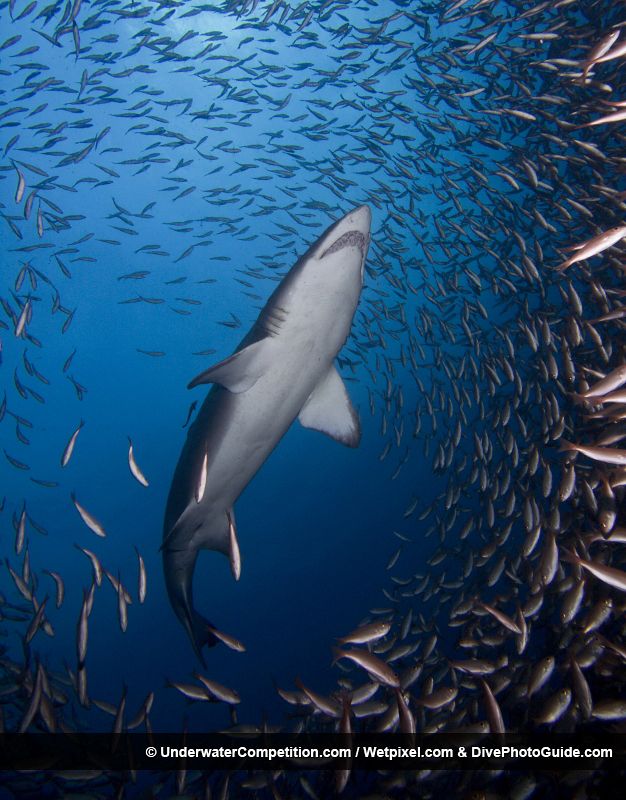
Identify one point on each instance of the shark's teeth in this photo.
(348, 239)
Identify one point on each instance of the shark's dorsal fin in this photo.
(241, 371)
(330, 411)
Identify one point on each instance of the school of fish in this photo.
(486, 138)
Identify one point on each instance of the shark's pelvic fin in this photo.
(169, 541)
(241, 371)
(330, 411)
(200, 633)
(210, 533)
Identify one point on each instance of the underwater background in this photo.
(163, 166)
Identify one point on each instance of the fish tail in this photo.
(565, 446)
(345, 695)
(568, 556)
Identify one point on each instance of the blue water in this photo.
(315, 525)
(200, 143)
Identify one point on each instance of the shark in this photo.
(283, 369)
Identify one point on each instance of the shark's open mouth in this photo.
(349, 239)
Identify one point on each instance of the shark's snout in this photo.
(361, 219)
(352, 231)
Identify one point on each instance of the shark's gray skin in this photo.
(282, 369)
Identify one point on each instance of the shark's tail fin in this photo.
(200, 634)
(178, 568)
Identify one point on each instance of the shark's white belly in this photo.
(261, 416)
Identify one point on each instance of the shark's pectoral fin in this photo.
(242, 370)
(329, 410)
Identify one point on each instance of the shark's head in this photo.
(350, 233)
(330, 273)
(319, 295)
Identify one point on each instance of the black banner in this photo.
(165, 751)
